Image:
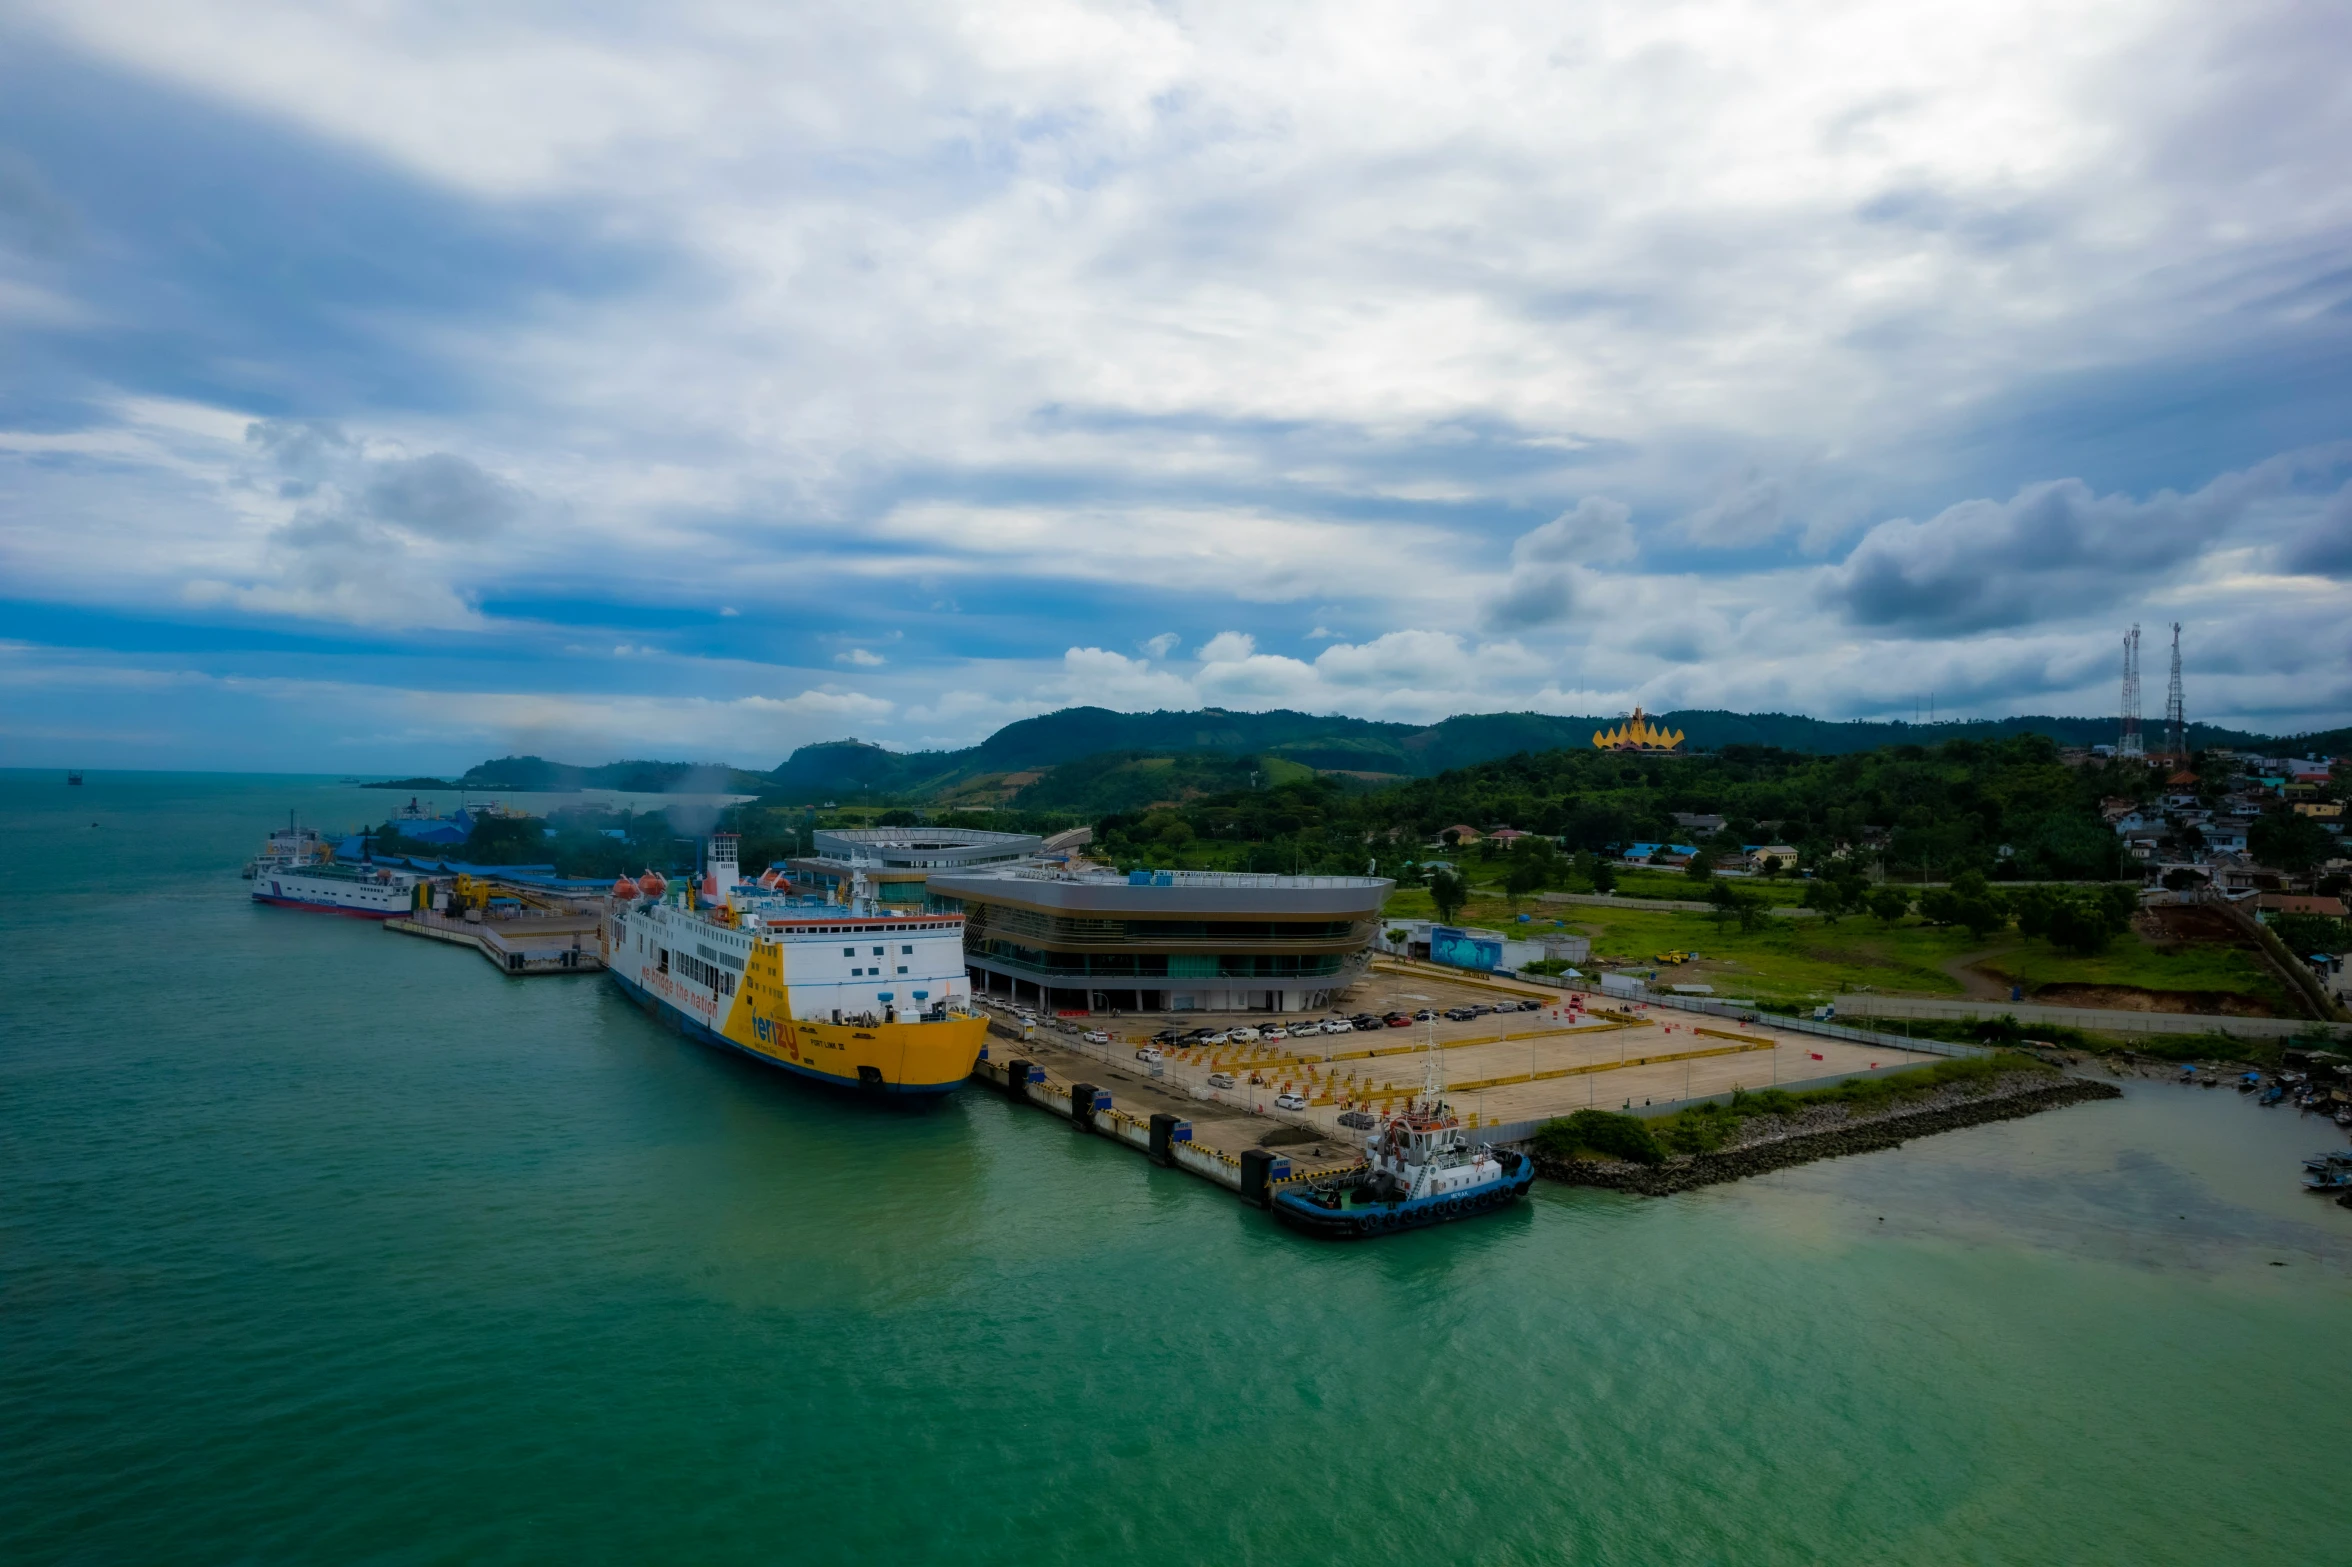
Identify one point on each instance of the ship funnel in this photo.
(719, 870)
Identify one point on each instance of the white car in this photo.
(1220, 1079)
(1150, 1053)
(1214, 1039)
(1243, 1036)
(1275, 1035)
(1095, 1036)
(1339, 1025)
(1290, 1102)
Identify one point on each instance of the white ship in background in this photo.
(297, 870)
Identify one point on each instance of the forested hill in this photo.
(1017, 765)
(1943, 808)
(851, 768)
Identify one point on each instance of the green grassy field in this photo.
(1797, 960)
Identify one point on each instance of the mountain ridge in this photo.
(1331, 743)
(1021, 755)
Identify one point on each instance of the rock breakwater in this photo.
(1774, 1144)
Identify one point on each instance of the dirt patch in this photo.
(2131, 998)
(2186, 922)
(1849, 958)
(1977, 978)
(1292, 1137)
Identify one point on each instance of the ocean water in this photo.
(321, 1244)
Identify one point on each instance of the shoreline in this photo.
(1807, 1144)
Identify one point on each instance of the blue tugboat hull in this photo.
(1351, 1221)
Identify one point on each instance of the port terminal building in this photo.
(1162, 941)
(899, 862)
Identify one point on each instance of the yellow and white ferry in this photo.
(841, 993)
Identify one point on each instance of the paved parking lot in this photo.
(1501, 1067)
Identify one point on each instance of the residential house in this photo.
(2270, 903)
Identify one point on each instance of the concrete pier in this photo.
(1249, 1155)
(523, 947)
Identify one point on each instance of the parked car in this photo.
(1399, 1020)
(1150, 1053)
(1167, 1036)
(1290, 1102)
(1480, 1010)
(1243, 1036)
(1095, 1036)
(1461, 1014)
(1531, 1005)
(1338, 1025)
(1364, 1020)
(1212, 1039)
(1220, 1079)
(1274, 1035)
(1425, 1015)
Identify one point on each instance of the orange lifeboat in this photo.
(652, 884)
(623, 889)
(769, 879)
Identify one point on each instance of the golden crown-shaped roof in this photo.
(1636, 734)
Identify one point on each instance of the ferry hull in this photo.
(309, 907)
(909, 1061)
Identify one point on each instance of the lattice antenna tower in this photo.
(2129, 744)
(2176, 722)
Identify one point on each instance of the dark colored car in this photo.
(1365, 1020)
(1461, 1014)
(1531, 1006)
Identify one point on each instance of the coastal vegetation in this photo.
(1709, 1126)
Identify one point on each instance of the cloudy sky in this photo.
(387, 385)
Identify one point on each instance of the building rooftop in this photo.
(1172, 890)
(922, 847)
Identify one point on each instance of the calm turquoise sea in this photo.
(322, 1245)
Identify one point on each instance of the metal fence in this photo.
(1803, 1025)
(2098, 1019)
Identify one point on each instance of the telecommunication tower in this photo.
(2176, 723)
(2128, 745)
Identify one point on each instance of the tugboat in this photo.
(1419, 1170)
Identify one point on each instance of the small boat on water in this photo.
(74, 779)
(1419, 1170)
(2328, 1172)
(2273, 1094)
